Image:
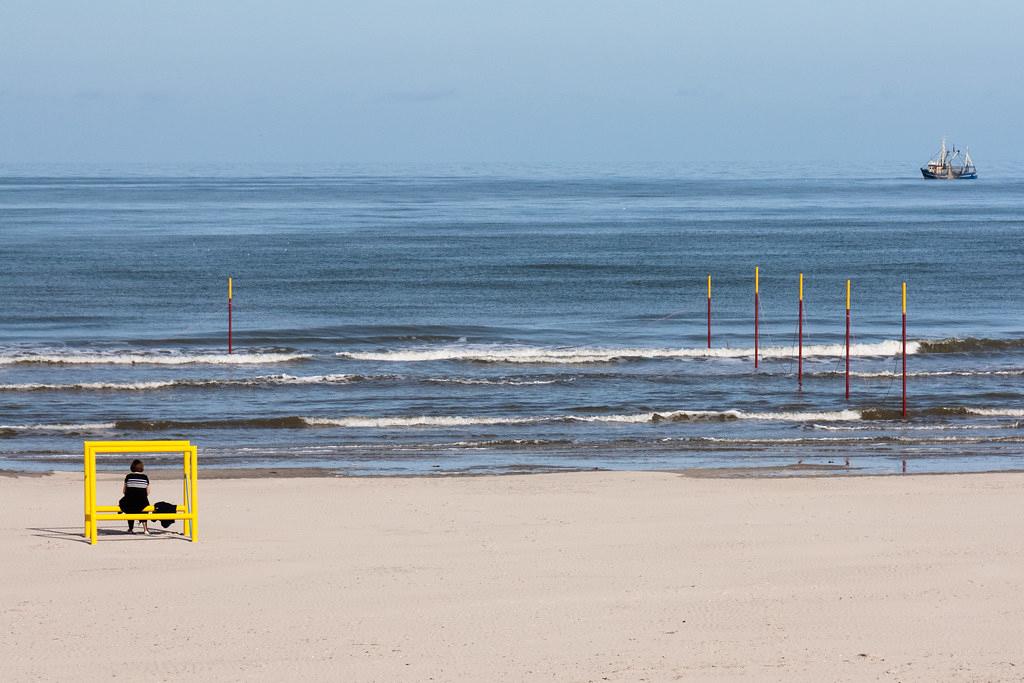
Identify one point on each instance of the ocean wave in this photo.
(497, 381)
(83, 427)
(500, 443)
(429, 421)
(419, 421)
(937, 426)
(885, 374)
(585, 354)
(266, 380)
(228, 423)
(813, 419)
(340, 379)
(939, 411)
(653, 417)
(150, 358)
(997, 412)
(970, 345)
(718, 416)
(634, 418)
(269, 380)
(399, 421)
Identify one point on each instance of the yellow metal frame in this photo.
(111, 513)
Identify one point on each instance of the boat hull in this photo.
(952, 175)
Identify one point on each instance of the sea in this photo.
(487, 318)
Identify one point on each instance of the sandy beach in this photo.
(570, 577)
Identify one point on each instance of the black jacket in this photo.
(163, 508)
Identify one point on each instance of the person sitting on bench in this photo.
(136, 495)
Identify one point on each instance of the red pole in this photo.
(757, 274)
(800, 337)
(229, 314)
(904, 350)
(847, 340)
(709, 310)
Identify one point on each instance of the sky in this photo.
(461, 81)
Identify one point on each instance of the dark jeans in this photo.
(132, 506)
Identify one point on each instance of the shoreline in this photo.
(794, 471)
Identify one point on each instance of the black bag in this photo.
(163, 508)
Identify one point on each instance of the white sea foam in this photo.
(265, 380)
(932, 373)
(90, 386)
(183, 383)
(936, 427)
(306, 379)
(631, 418)
(584, 354)
(816, 419)
(84, 427)
(417, 421)
(496, 382)
(997, 412)
(823, 416)
(138, 358)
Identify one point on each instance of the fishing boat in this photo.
(950, 164)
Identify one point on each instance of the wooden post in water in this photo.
(847, 340)
(709, 310)
(229, 314)
(904, 410)
(757, 277)
(800, 337)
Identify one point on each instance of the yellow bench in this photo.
(111, 513)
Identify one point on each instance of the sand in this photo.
(569, 577)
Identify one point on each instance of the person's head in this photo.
(137, 465)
